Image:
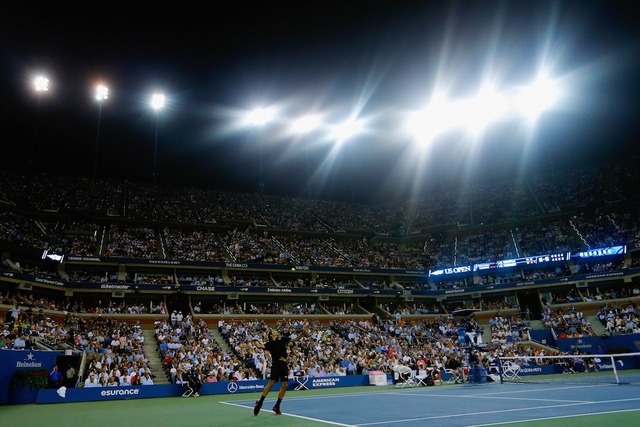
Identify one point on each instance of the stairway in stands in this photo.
(153, 354)
(222, 343)
(536, 324)
(597, 325)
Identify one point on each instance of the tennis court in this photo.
(527, 405)
(488, 404)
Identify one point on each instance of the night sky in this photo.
(377, 59)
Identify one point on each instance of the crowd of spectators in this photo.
(569, 211)
(356, 347)
(619, 319)
(509, 329)
(114, 348)
(116, 352)
(240, 219)
(569, 323)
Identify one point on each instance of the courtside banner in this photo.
(68, 395)
(299, 383)
(82, 394)
(342, 381)
(14, 360)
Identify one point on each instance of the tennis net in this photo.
(622, 368)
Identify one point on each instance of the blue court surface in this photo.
(489, 404)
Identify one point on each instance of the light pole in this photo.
(102, 94)
(308, 174)
(341, 133)
(260, 117)
(302, 126)
(40, 85)
(261, 181)
(157, 102)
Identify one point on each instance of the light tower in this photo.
(157, 103)
(40, 85)
(102, 94)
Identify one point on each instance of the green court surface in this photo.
(327, 405)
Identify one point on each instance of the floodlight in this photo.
(487, 107)
(305, 124)
(346, 130)
(436, 118)
(41, 84)
(531, 101)
(260, 116)
(102, 93)
(157, 101)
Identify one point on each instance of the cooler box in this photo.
(377, 378)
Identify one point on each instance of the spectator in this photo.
(55, 377)
(70, 380)
(19, 343)
(92, 381)
(146, 379)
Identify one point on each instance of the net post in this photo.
(615, 371)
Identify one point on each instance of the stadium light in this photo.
(101, 95)
(485, 108)
(157, 103)
(260, 116)
(346, 130)
(40, 86)
(534, 99)
(305, 124)
(438, 117)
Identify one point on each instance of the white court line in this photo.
(295, 416)
(535, 390)
(439, 394)
(492, 396)
(554, 418)
(475, 413)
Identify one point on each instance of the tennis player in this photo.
(277, 347)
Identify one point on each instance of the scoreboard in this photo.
(531, 260)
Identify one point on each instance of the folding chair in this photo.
(453, 377)
(567, 367)
(301, 381)
(404, 378)
(424, 377)
(194, 383)
(186, 386)
(421, 377)
(510, 371)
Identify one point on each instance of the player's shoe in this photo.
(276, 410)
(256, 409)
